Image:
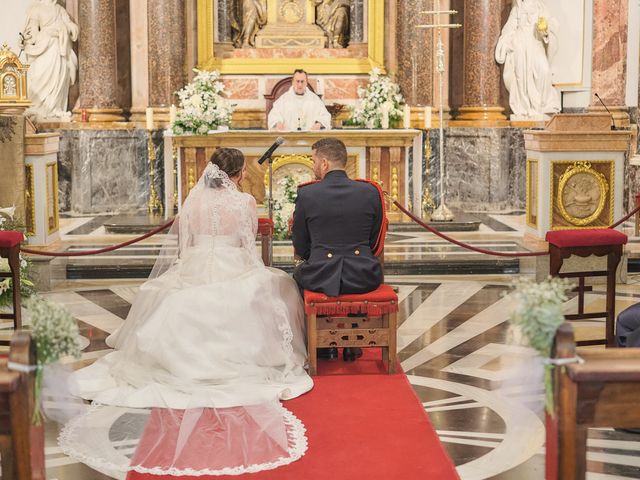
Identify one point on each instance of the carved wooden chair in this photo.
(265, 232)
(601, 390)
(583, 243)
(21, 442)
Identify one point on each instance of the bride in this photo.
(213, 341)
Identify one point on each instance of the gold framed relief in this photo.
(287, 34)
(532, 192)
(52, 197)
(30, 201)
(582, 194)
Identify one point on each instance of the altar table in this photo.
(394, 158)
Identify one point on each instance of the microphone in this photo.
(613, 127)
(279, 141)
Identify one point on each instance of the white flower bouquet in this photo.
(203, 105)
(381, 98)
(284, 206)
(8, 222)
(536, 318)
(55, 334)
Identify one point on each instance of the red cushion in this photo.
(586, 237)
(10, 238)
(265, 227)
(382, 300)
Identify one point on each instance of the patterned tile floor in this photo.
(452, 342)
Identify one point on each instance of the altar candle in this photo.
(173, 114)
(149, 112)
(407, 116)
(427, 117)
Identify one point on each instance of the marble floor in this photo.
(453, 344)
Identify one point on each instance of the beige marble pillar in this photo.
(98, 62)
(167, 48)
(481, 97)
(609, 58)
(139, 60)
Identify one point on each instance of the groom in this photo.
(337, 227)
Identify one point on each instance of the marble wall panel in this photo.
(341, 89)
(106, 171)
(484, 168)
(242, 88)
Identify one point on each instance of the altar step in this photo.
(403, 258)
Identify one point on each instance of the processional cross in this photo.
(442, 213)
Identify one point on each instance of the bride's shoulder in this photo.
(250, 199)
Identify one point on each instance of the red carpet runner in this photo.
(361, 424)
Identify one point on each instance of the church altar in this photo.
(391, 157)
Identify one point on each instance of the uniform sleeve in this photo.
(378, 218)
(300, 231)
(275, 115)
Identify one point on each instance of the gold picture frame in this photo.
(280, 66)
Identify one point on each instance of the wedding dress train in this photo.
(213, 341)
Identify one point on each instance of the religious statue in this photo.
(46, 40)
(333, 17)
(254, 17)
(526, 45)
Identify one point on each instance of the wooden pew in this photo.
(21, 443)
(600, 392)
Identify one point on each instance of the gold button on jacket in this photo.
(329, 255)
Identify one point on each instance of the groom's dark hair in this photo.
(332, 150)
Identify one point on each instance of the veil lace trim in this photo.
(214, 177)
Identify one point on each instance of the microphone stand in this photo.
(270, 207)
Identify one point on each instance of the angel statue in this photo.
(254, 17)
(333, 17)
(46, 40)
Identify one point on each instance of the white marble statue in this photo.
(46, 40)
(526, 46)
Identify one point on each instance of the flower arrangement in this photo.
(8, 222)
(203, 106)
(55, 334)
(381, 97)
(283, 207)
(537, 317)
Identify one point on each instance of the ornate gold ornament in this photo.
(30, 200)
(13, 82)
(542, 25)
(52, 197)
(292, 164)
(582, 194)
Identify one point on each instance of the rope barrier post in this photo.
(637, 232)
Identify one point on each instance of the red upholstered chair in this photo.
(265, 231)
(329, 326)
(10, 249)
(583, 243)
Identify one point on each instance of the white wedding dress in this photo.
(213, 341)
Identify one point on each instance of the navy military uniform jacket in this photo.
(338, 224)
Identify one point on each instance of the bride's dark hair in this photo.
(229, 160)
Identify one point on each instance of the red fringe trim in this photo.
(371, 309)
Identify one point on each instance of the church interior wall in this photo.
(12, 23)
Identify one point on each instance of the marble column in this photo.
(481, 96)
(139, 60)
(609, 58)
(167, 47)
(98, 61)
(414, 52)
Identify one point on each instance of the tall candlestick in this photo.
(149, 113)
(427, 117)
(173, 114)
(407, 116)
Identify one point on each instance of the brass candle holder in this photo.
(154, 206)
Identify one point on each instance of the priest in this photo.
(299, 108)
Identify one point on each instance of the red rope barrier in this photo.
(626, 217)
(466, 245)
(101, 250)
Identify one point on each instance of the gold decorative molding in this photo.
(292, 159)
(600, 174)
(532, 192)
(354, 65)
(30, 200)
(13, 82)
(52, 197)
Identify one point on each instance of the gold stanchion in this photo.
(155, 205)
(174, 156)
